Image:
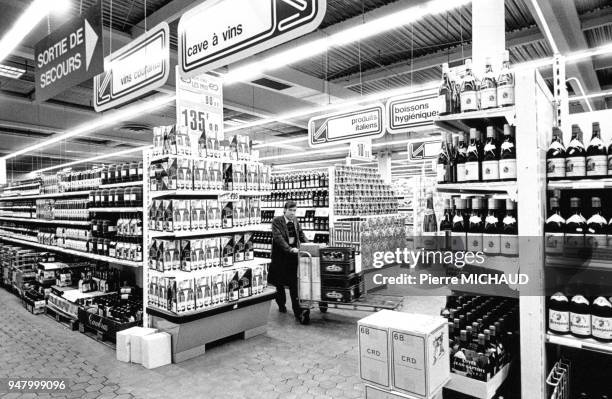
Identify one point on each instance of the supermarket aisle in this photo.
(290, 361)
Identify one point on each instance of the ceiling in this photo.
(405, 56)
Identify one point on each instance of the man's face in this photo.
(290, 213)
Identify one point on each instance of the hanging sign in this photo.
(221, 32)
(419, 150)
(361, 149)
(342, 127)
(410, 111)
(134, 70)
(199, 105)
(69, 55)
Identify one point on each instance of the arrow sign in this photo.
(343, 127)
(69, 55)
(221, 32)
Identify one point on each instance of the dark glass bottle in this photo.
(575, 158)
(558, 314)
(473, 158)
(491, 241)
(507, 155)
(580, 317)
(601, 319)
(430, 225)
(575, 226)
(460, 223)
(488, 87)
(446, 224)
(596, 155)
(509, 233)
(476, 225)
(597, 227)
(490, 157)
(555, 156)
(469, 89)
(444, 167)
(554, 229)
(445, 99)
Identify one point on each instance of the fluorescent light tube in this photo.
(11, 72)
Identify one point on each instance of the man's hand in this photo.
(294, 250)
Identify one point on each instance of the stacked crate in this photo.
(339, 280)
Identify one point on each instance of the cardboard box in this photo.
(372, 392)
(135, 342)
(374, 356)
(156, 350)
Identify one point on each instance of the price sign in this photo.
(300, 212)
(199, 105)
(278, 212)
(322, 212)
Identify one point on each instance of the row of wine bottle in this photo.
(575, 161)
(490, 160)
(580, 316)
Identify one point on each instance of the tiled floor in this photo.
(289, 361)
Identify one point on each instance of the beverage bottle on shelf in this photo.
(509, 232)
(596, 154)
(453, 155)
(575, 158)
(488, 87)
(460, 223)
(507, 155)
(473, 158)
(596, 227)
(476, 225)
(601, 319)
(445, 99)
(580, 317)
(555, 156)
(575, 226)
(505, 83)
(491, 241)
(446, 224)
(554, 229)
(490, 157)
(430, 225)
(469, 89)
(444, 168)
(559, 314)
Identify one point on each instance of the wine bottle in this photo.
(454, 149)
(461, 157)
(469, 89)
(491, 241)
(460, 222)
(555, 156)
(597, 227)
(444, 169)
(558, 314)
(505, 83)
(473, 158)
(430, 225)
(596, 154)
(476, 226)
(446, 224)
(488, 87)
(445, 102)
(507, 156)
(601, 319)
(509, 234)
(490, 157)
(554, 229)
(575, 158)
(575, 226)
(580, 317)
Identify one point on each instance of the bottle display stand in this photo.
(191, 332)
(532, 117)
(478, 389)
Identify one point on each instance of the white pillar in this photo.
(384, 166)
(2, 171)
(488, 33)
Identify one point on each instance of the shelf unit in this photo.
(47, 221)
(72, 252)
(532, 117)
(203, 233)
(52, 195)
(582, 184)
(204, 193)
(122, 184)
(579, 343)
(117, 210)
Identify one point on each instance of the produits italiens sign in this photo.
(221, 32)
(342, 127)
(411, 110)
(134, 70)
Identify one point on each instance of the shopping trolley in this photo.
(558, 381)
(309, 299)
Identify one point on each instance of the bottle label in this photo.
(555, 167)
(601, 327)
(575, 167)
(554, 243)
(580, 324)
(458, 241)
(441, 104)
(469, 101)
(490, 170)
(574, 240)
(474, 242)
(509, 245)
(461, 172)
(596, 241)
(505, 95)
(558, 321)
(471, 171)
(610, 164)
(491, 244)
(597, 165)
(441, 173)
(488, 98)
(507, 168)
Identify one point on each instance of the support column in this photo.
(384, 165)
(2, 171)
(488, 33)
